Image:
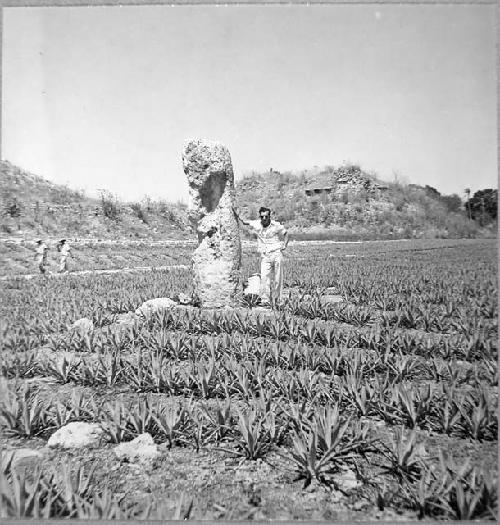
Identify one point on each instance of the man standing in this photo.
(270, 247)
(41, 255)
(65, 250)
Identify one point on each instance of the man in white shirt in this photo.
(65, 250)
(270, 247)
(41, 255)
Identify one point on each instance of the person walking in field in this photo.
(272, 240)
(65, 250)
(41, 255)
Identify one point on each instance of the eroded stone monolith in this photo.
(217, 259)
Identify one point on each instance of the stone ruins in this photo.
(217, 259)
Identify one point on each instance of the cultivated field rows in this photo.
(382, 406)
(16, 256)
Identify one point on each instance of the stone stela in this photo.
(216, 261)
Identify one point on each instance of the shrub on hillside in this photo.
(460, 226)
(109, 205)
(139, 212)
(12, 208)
(173, 213)
(452, 202)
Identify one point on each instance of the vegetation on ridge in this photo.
(337, 203)
(33, 205)
(349, 202)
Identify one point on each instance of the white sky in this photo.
(104, 97)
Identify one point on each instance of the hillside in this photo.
(347, 202)
(34, 206)
(336, 203)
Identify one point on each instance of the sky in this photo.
(105, 97)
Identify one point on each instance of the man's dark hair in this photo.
(263, 208)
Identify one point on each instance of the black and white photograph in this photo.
(248, 262)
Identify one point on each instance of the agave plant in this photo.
(474, 497)
(33, 496)
(478, 416)
(405, 454)
(252, 441)
(19, 364)
(323, 445)
(23, 413)
(220, 420)
(427, 493)
(63, 369)
(170, 421)
(114, 422)
(471, 492)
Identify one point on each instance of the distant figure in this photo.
(65, 250)
(270, 247)
(41, 255)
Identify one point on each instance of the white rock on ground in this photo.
(184, 299)
(348, 480)
(126, 318)
(155, 305)
(332, 299)
(123, 322)
(83, 325)
(253, 285)
(77, 435)
(45, 354)
(142, 448)
(22, 457)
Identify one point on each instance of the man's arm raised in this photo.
(239, 219)
(286, 239)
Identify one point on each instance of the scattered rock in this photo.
(142, 448)
(359, 505)
(127, 319)
(347, 480)
(22, 457)
(375, 421)
(184, 299)
(155, 305)
(83, 325)
(330, 299)
(253, 285)
(77, 435)
(45, 354)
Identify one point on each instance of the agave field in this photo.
(383, 406)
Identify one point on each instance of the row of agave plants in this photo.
(476, 346)
(315, 442)
(453, 292)
(448, 318)
(377, 356)
(405, 313)
(386, 386)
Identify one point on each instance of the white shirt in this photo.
(42, 250)
(65, 250)
(268, 239)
